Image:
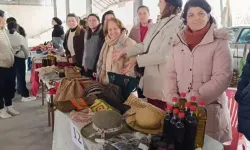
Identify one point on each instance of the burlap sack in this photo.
(72, 72)
(68, 89)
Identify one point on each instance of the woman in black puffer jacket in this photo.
(57, 34)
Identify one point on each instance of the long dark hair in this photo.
(110, 12)
(170, 10)
(197, 3)
(1, 13)
(89, 31)
(12, 27)
(13, 23)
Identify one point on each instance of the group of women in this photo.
(180, 53)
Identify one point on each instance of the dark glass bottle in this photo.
(191, 124)
(167, 125)
(179, 132)
(187, 109)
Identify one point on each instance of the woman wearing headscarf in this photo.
(7, 73)
(153, 52)
(57, 34)
(200, 64)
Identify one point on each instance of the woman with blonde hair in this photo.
(116, 38)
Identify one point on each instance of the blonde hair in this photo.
(117, 22)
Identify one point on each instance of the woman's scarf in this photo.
(103, 64)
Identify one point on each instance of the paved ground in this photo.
(29, 130)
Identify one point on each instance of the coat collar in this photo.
(212, 34)
(208, 38)
(78, 31)
(98, 30)
(138, 26)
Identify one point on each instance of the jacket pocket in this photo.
(217, 119)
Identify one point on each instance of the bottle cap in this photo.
(181, 115)
(187, 104)
(176, 111)
(169, 107)
(183, 94)
(193, 98)
(202, 103)
(175, 99)
(193, 108)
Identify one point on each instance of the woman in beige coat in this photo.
(200, 65)
(116, 38)
(158, 44)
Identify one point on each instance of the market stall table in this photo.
(67, 136)
(49, 98)
(34, 79)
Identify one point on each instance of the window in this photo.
(244, 36)
(234, 31)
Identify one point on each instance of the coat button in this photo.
(182, 50)
(190, 69)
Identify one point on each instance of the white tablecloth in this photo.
(62, 136)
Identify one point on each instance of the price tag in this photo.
(76, 136)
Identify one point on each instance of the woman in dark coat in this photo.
(74, 41)
(93, 45)
(242, 96)
(57, 34)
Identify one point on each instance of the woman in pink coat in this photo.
(200, 65)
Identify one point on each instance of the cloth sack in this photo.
(126, 83)
(72, 72)
(68, 90)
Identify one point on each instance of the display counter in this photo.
(67, 136)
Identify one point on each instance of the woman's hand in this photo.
(85, 68)
(71, 60)
(129, 65)
(117, 54)
(94, 74)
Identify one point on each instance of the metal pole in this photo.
(55, 8)
(221, 7)
(88, 7)
(67, 7)
(137, 4)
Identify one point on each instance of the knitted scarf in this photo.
(104, 63)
